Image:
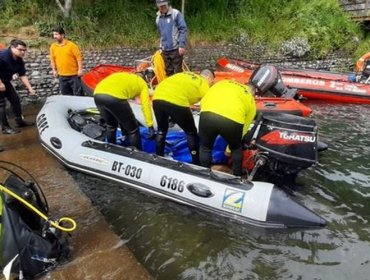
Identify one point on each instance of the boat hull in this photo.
(311, 84)
(258, 203)
(266, 105)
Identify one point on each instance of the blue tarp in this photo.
(176, 146)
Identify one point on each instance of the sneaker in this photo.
(24, 123)
(9, 130)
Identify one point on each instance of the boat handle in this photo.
(56, 142)
(199, 190)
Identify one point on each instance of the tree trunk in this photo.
(66, 9)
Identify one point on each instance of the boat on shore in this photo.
(258, 203)
(311, 84)
(264, 104)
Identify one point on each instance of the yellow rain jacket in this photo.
(231, 100)
(182, 89)
(127, 86)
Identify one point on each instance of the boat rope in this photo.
(55, 224)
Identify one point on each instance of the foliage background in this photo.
(101, 23)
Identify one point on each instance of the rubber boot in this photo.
(193, 144)
(237, 158)
(20, 122)
(160, 141)
(205, 157)
(111, 134)
(135, 139)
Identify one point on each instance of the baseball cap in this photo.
(161, 2)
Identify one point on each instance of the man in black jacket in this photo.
(11, 63)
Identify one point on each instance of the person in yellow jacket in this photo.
(66, 63)
(172, 99)
(227, 109)
(111, 98)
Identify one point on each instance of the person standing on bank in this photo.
(172, 99)
(11, 63)
(173, 30)
(111, 97)
(227, 109)
(66, 63)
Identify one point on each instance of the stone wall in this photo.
(197, 57)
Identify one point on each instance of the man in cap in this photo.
(173, 30)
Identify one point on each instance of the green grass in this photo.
(101, 23)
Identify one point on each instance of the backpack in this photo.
(29, 245)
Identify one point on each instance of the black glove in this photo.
(151, 133)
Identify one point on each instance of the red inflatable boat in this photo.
(264, 104)
(312, 84)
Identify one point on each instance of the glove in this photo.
(151, 133)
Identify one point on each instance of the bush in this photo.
(273, 23)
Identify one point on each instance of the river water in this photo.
(176, 242)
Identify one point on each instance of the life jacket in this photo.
(29, 245)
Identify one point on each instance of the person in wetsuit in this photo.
(172, 99)
(111, 98)
(227, 109)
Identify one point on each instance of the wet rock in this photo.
(297, 47)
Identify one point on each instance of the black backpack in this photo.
(29, 245)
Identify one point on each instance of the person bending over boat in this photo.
(172, 99)
(227, 109)
(111, 98)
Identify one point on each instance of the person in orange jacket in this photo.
(362, 69)
(360, 64)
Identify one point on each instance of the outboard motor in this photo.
(268, 82)
(285, 144)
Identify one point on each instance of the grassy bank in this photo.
(99, 23)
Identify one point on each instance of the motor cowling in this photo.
(288, 141)
(268, 81)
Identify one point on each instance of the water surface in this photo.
(177, 242)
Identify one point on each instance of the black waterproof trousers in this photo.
(116, 112)
(210, 126)
(182, 116)
(12, 96)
